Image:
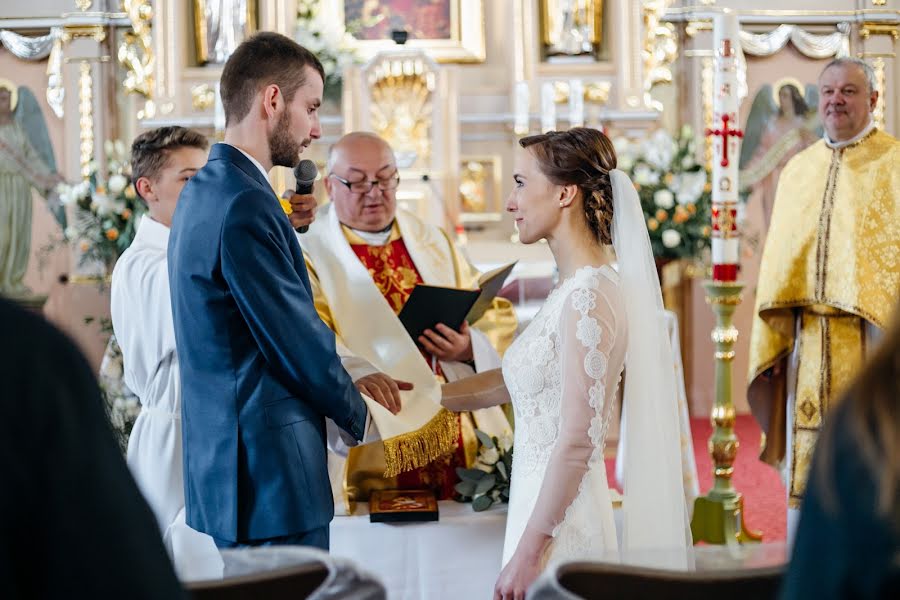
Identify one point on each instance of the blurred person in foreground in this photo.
(75, 524)
(848, 539)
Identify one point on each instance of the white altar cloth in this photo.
(456, 557)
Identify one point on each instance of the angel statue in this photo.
(782, 122)
(26, 163)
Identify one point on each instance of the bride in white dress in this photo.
(563, 372)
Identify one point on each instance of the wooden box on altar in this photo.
(402, 506)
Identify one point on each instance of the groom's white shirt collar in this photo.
(253, 160)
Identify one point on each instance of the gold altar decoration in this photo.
(402, 91)
(462, 42)
(660, 49)
(86, 118)
(136, 54)
(595, 92)
(203, 96)
(571, 27)
(480, 187)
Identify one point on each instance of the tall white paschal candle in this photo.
(726, 136)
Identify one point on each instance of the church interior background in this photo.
(473, 77)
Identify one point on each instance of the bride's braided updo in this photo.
(584, 157)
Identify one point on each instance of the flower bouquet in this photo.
(107, 209)
(329, 41)
(488, 481)
(674, 190)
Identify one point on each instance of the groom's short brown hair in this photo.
(264, 59)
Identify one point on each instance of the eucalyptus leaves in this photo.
(488, 482)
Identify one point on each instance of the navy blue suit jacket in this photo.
(259, 371)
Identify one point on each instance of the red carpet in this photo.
(765, 503)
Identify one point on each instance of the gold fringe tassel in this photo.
(418, 448)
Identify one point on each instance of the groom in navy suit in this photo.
(259, 371)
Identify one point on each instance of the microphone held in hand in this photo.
(305, 173)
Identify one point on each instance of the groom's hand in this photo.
(383, 389)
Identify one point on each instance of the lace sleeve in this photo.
(591, 342)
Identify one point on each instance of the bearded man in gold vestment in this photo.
(830, 272)
(364, 256)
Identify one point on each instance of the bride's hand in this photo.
(517, 577)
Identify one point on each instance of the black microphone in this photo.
(305, 173)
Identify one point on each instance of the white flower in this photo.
(644, 175)
(489, 456)
(664, 199)
(659, 149)
(117, 184)
(688, 161)
(689, 186)
(102, 204)
(671, 238)
(108, 147)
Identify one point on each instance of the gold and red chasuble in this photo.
(395, 275)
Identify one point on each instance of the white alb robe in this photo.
(142, 320)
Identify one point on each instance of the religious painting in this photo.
(782, 121)
(448, 30)
(27, 165)
(220, 26)
(480, 187)
(377, 20)
(571, 30)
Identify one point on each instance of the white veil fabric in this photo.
(655, 514)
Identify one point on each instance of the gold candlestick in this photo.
(719, 515)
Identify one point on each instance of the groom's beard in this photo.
(284, 149)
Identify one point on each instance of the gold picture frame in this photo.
(587, 13)
(464, 43)
(201, 41)
(480, 188)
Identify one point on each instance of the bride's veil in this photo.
(655, 514)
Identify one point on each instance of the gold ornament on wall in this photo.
(402, 92)
(136, 53)
(203, 96)
(86, 117)
(660, 49)
(83, 5)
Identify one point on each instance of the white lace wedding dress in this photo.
(562, 374)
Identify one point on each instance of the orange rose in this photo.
(707, 187)
(662, 216)
(707, 230)
(668, 178)
(112, 234)
(84, 246)
(681, 215)
(652, 224)
(692, 208)
(126, 214)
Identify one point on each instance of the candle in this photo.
(576, 103)
(726, 141)
(521, 101)
(548, 107)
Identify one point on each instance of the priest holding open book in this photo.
(365, 257)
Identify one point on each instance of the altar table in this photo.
(456, 557)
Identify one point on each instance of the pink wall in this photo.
(68, 304)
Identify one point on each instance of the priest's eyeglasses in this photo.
(364, 187)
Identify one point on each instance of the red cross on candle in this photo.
(725, 132)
